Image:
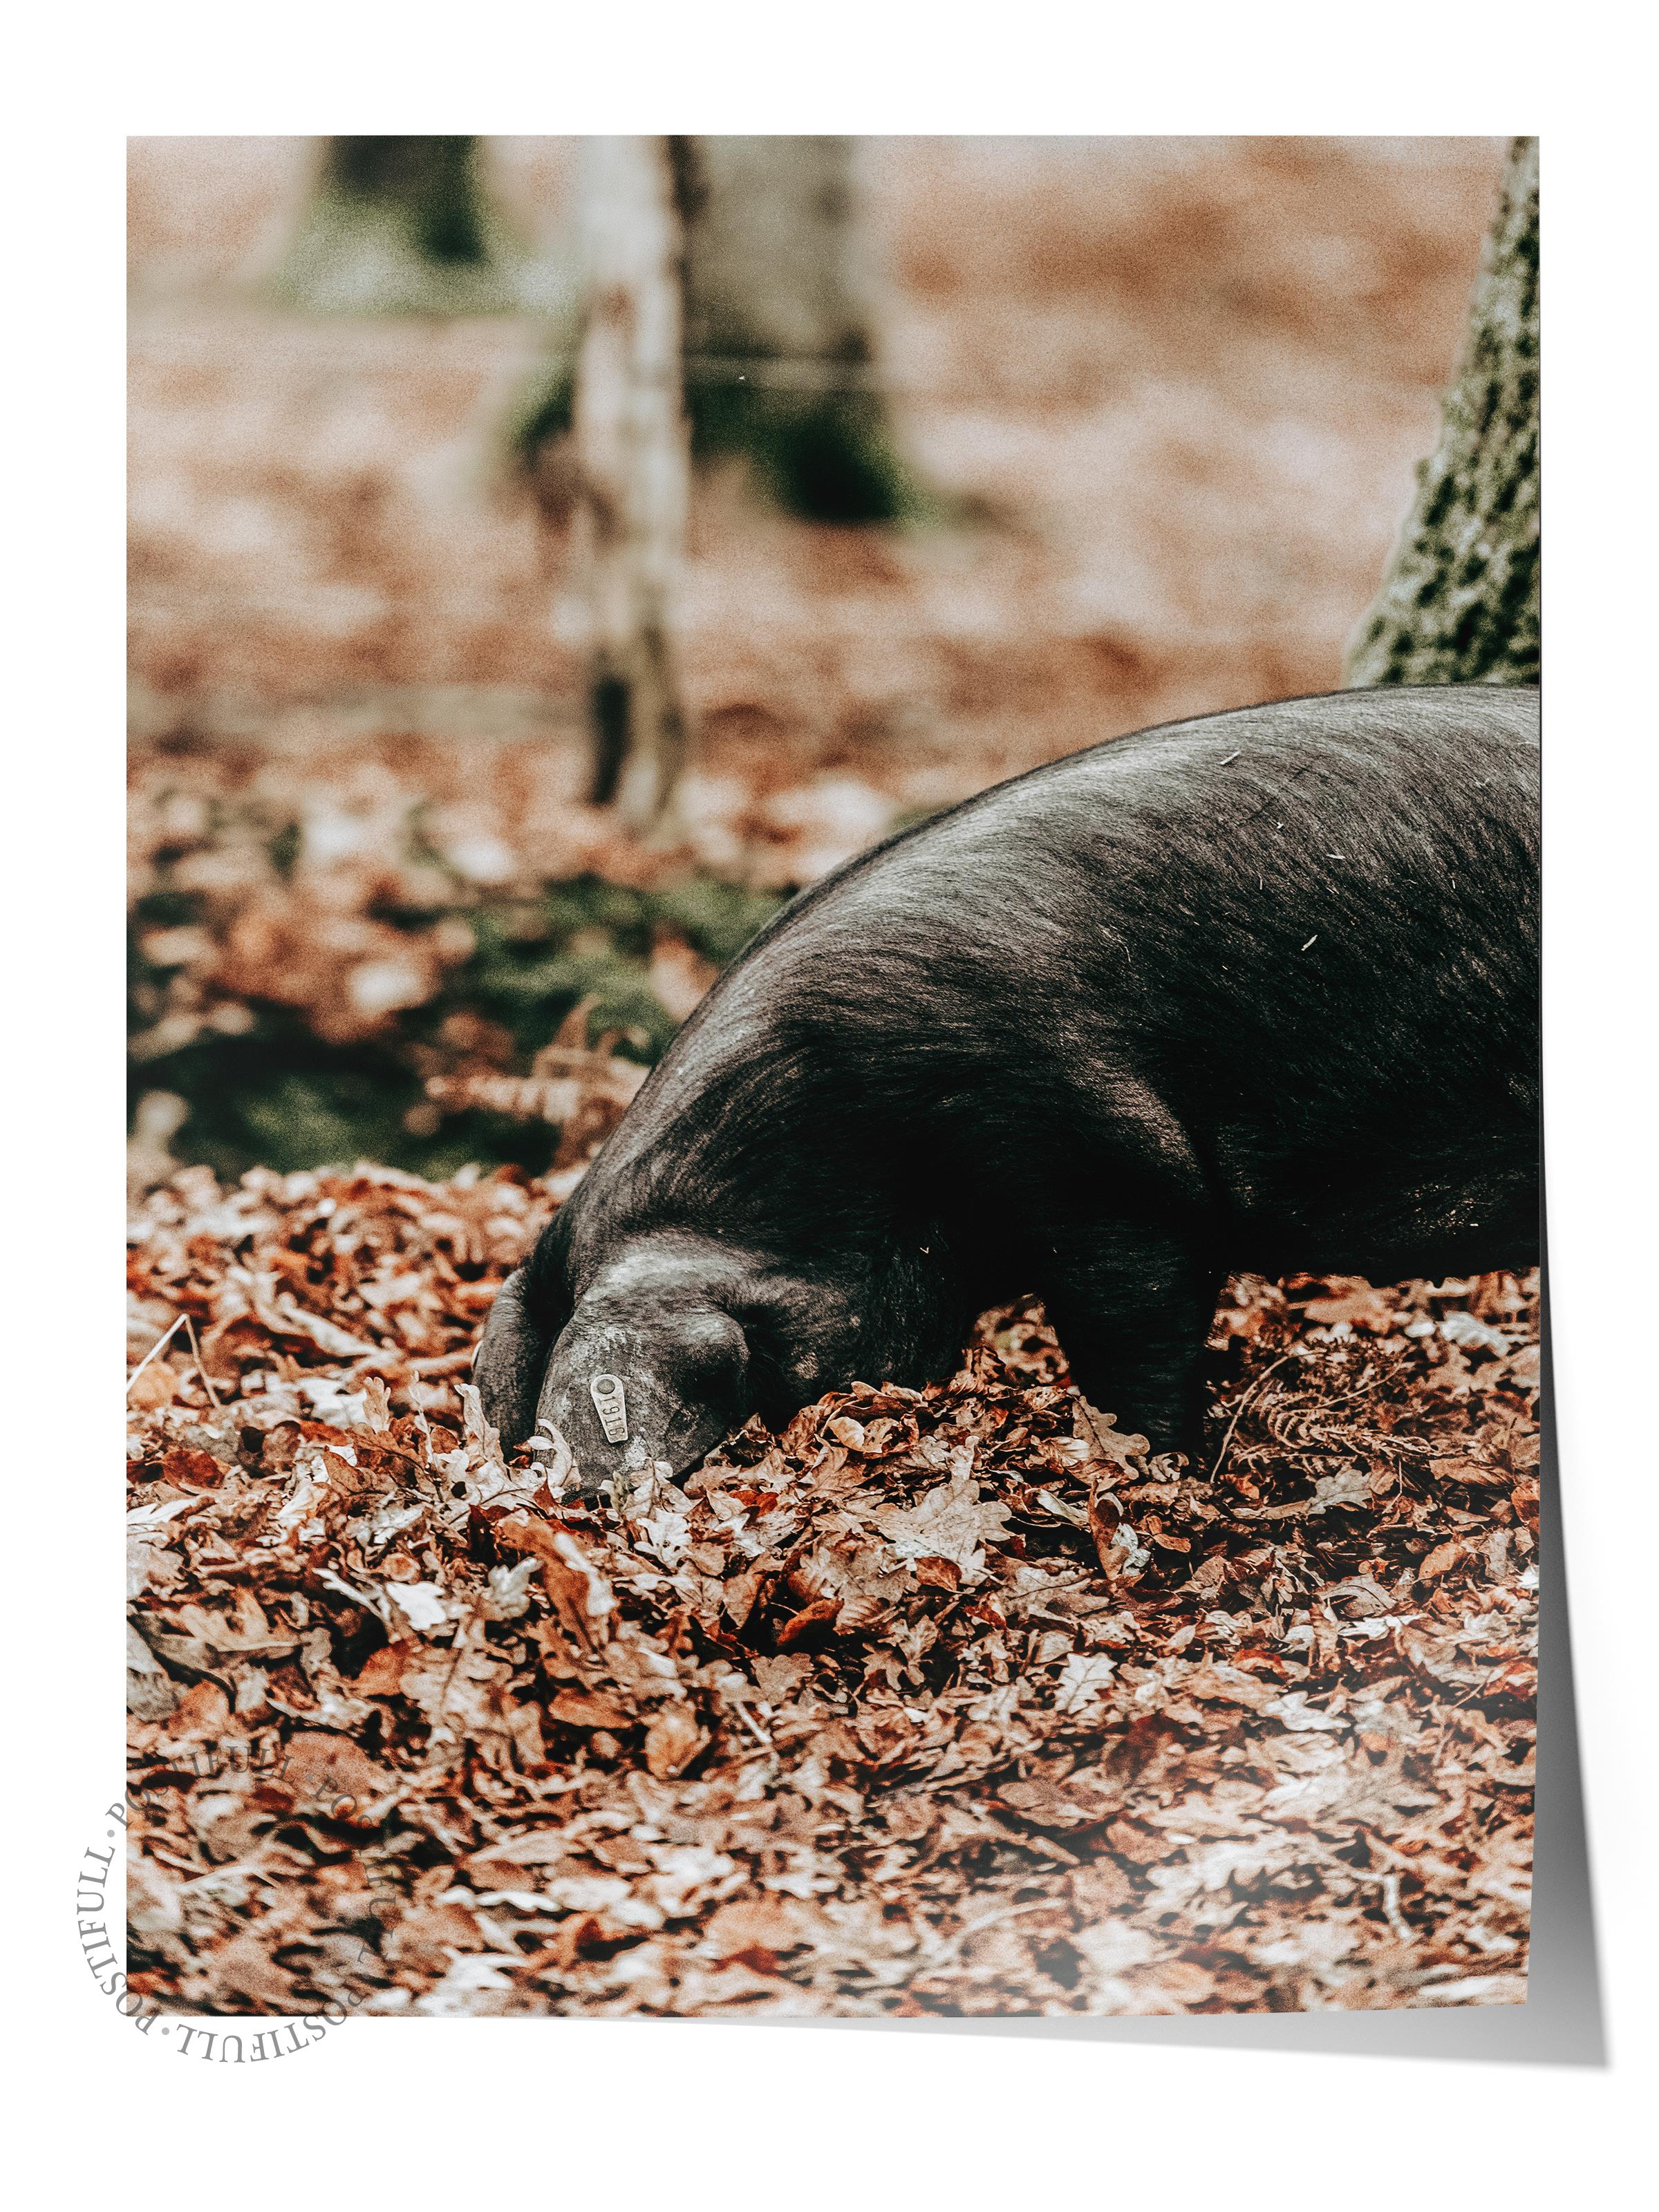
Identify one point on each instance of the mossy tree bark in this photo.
(632, 472)
(1460, 603)
(399, 226)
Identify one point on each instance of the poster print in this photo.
(1002, 1477)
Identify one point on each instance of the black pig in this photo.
(1257, 991)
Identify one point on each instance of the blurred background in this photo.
(997, 447)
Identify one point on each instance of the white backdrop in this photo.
(1237, 2113)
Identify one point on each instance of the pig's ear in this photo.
(795, 1332)
(710, 1358)
(509, 1365)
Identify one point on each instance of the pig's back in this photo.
(1284, 959)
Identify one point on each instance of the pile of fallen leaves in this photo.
(947, 1701)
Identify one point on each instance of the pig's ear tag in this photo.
(611, 1407)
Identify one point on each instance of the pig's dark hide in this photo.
(1254, 992)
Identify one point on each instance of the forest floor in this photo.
(949, 1702)
(333, 949)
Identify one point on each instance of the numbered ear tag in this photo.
(611, 1407)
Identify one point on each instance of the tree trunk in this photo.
(779, 324)
(633, 468)
(399, 225)
(1459, 604)
(772, 259)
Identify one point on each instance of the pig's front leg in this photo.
(1132, 1308)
